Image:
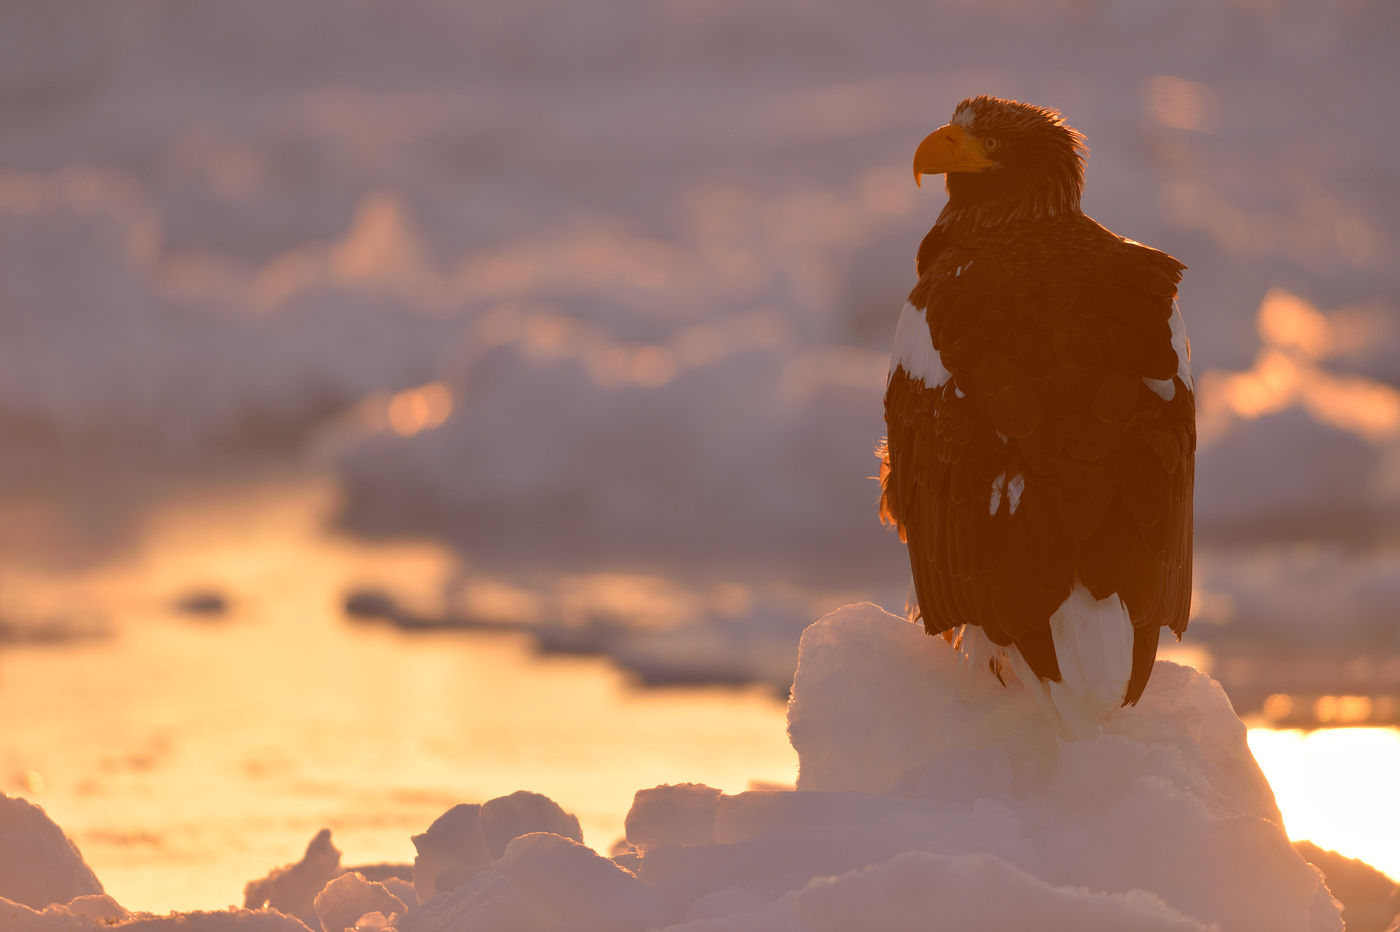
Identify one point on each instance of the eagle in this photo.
(1040, 417)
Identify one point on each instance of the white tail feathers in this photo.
(1094, 646)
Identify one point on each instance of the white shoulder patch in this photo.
(1166, 388)
(913, 349)
(1182, 345)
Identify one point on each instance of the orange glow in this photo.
(1335, 786)
(1356, 403)
(1270, 386)
(551, 335)
(653, 366)
(1278, 707)
(1296, 335)
(186, 759)
(1342, 710)
(1286, 320)
(381, 247)
(418, 409)
(1181, 104)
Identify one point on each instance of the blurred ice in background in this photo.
(594, 301)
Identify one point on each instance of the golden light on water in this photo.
(1336, 787)
(185, 759)
(1342, 710)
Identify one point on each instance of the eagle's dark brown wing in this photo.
(1061, 447)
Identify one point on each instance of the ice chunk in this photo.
(15, 917)
(98, 906)
(403, 889)
(348, 897)
(468, 837)
(522, 812)
(586, 889)
(544, 882)
(486, 902)
(450, 851)
(38, 864)
(1371, 899)
(674, 814)
(292, 889)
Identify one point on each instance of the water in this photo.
(189, 753)
(186, 756)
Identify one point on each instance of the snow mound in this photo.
(927, 786)
(345, 899)
(544, 882)
(79, 916)
(38, 864)
(292, 889)
(980, 891)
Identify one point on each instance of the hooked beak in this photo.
(949, 149)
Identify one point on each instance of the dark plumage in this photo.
(1046, 438)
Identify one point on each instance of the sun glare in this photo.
(1335, 787)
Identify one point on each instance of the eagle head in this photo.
(1003, 158)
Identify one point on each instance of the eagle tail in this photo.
(1094, 643)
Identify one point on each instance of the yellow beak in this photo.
(949, 149)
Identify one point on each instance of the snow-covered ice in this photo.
(924, 787)
(614, 287)
(38, 864)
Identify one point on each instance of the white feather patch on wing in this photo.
(1163, 387)
(913, 349)
(1094, 647)
(1014, 488)
(1182, 345)
(1166, 388)
(998, 484)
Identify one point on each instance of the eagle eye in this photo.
(989, 144)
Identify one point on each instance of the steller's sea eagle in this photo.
(1040, 418)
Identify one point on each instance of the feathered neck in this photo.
(974, 203)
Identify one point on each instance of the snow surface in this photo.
(38, 864)
(925, 787)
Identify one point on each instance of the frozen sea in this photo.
(574, 324)
(186, 752)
